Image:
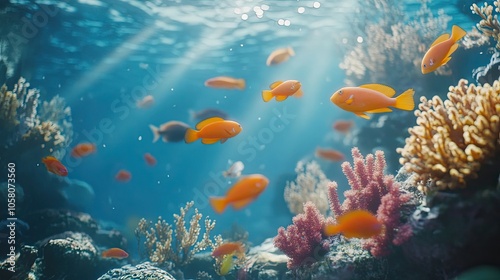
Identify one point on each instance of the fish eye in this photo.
(425, 65)
(340, 92)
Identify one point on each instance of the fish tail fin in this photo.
(267, 95)
(405, 100)
(331, 229)
(457, 33)
(156, 134)
(241, 84)
(191, 135)
(218, 204)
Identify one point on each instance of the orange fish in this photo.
(55, 166)
(247, 189)
(225, 83)
(115, 253)
(145, 102)
(150, 160)
(329, 154)
(441, 49)
(236, 248)
(123, 176)
(343, 126)
(212, 130)
(83, 149)
(282, 90)
(280, 55)
(355, 224)
(372, 98)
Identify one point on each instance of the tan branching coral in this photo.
(453, 137)
(163, 244)
(489, 22)
(310, 185)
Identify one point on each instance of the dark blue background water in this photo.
(100, 54)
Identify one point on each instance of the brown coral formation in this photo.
(489, 23)
(453, 137)
(163, 243)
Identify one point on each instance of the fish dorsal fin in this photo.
(241, 203)
(440, 39)
(385, 90)
(203, 123)
(275, 84)
(452, 50)
(209, 140)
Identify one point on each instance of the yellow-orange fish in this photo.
(225, 83)
(246, 190)
(229, 248)
(441, 49)
(355, 224)
(372, 98)
(212, 130)
(53, 165)
(280, 55)
(282, 90)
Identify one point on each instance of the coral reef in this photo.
(302, 241)
(310, 185)
(490, 73)
(164, 244)
(453, 137)
(142, 271)
(378, 193)
(489, 23)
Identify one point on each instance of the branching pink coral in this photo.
(373, 191)
(302, 240)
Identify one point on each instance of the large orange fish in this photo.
(224, 82)
(282, 90)
(229, 248)
(246, 190)
(355, 224)
(212, 130)
(115, 253)
(441, 49)
(83, 149)
(372, 98)
(53, 165)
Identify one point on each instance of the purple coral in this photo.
(378, 193)
(302, 241)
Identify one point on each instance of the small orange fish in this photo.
(150, 159)
(355, 224)
(441, 49)
(115, 253)
(280, 55)
(225, 83)
(282, 90)
(83, 149)
(123, 176)
(372, 98)
(329, 154)
(343, 126)
(53, 165)
(212, 130)
(227, 248)
(145, 102)
(247, 189)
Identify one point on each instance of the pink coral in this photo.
(378, 193)
(302, 240)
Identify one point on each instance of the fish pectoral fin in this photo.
(349, 100)
(209, 140)
(204, 123)
(242, 203)
(385, 90)
(452, 50)
(280, 98)
(381, 110)
(299, 93)
(275, 84)
(445, 60)
(223, 140)
(362, 115)
(440, 39)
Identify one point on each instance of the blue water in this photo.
(101, 56)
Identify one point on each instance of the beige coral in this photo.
(159, 240)
(453, 137)
(489, 24)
